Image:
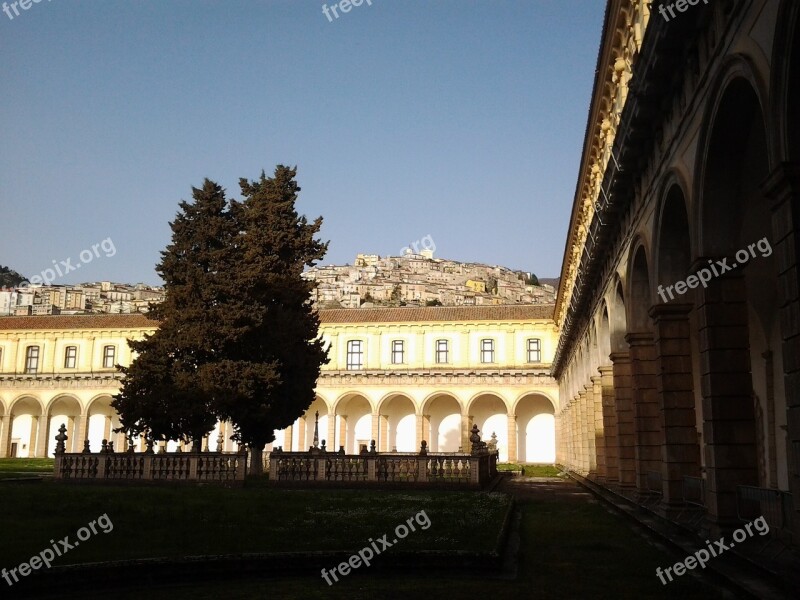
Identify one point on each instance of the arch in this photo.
(353, 421)
(26, 411)
(639, 290)
(490, 413)
(619, 319)
(672, 242)
(604, 335)
(398, 423)
(542, 393)
(536, 429)
(442, 422)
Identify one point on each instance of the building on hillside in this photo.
(396, 375)
(679, 357)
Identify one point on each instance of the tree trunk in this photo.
(256, 463)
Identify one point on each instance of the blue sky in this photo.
(462, 120)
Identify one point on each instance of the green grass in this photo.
(568, 550)
(186, 521)
(26, 465)
(530, 469)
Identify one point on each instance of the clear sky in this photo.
(458, 119)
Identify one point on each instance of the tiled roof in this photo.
(117, 321)
(438, 314)
(450, 314)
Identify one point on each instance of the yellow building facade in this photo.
(396, 375)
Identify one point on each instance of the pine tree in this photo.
(162, 395)
(269, 377)
(9, 277)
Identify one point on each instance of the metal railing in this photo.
(776, 508)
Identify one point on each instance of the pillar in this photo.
(609, 410)
(783, 189)
(680, 453)
(599, 431)
(729, 428)
(83, 431)
(375, 431)
(626, 449)
(648, 436)
(330, 442)
(302, 423)
(385, 438)
(512, 438)
(288, 434)
(342, 437)
(6, 424)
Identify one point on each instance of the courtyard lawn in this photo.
(190, 521)
(26, 465)
(531, 470)
(570, 548)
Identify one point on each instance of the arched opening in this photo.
(490, 414)
(26, 413)
(64, 410)
(537, 429)
(443, 416)
(398, 425)
(353, 424)
(103, 419)
(739, 306)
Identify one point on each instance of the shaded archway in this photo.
(26, 419)
(739, 305)
(442, 428)
(398, 424)
(353, 423)
(102, 420)
(536, 437)
(64, 410)
(490, 414)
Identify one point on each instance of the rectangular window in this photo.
(70, 357)
(355, 355)
(108, 356)
(534, 351)
(487, 351)
(442, 352)
(32, 359)
(398, 350)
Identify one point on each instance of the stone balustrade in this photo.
(318, 466)
(107, 465)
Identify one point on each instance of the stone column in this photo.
(680, 453)
(583, 434)
(107, 428)
(384, 433)
(38, 441)
(512, 438)
(331, 442)
(728, 413)
(83, 431)
(72, 432)
(626, 447)
(375, 431)
(609, 417)
(301, 437)
(591, 431)
(288, 434)
(648, 435)
(466, 425)
(6, 425)
(342, 437)
(599, 428)
(783, 189)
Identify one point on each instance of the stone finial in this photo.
(372, 448)
(322, 447)
(316, 429)
(478, 447)
(423, 448)
(341, 450)
(111, 447)
(149, 443)
(61, 438)
(86, 448)
(492, 445)
(220, 441)
(104, 447)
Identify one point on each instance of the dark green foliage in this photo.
(238, 336)
(9, 277)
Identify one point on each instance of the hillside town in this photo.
(419, 279)
(85, 298)
(409, 280)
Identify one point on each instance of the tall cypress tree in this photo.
(273, 368)
(162, 394)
